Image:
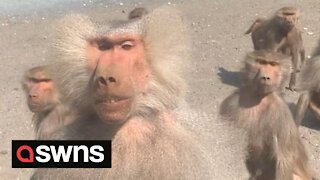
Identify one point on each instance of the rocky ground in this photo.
(219, 44)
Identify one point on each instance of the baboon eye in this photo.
(127, 45)
(288, 13)
(273, 63)
(45, 80)
(34, 80)
(104, 44)
(262, 62)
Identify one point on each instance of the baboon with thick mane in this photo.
(280, 33)
(275, 150)
(126, 80)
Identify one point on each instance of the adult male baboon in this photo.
(137, 13)
(43, 100)
(275, 150)
(280, 33)
(125, 78)
(310, 80)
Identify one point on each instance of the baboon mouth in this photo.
(112, 100)
(113, 104)
(288, 13)
(34, 105)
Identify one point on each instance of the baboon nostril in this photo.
(265, 78)
(112, 79)
(32, 96)
(102, 81)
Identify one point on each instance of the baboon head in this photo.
(125, 68)
(40, 90)
(287, 17)
(264, 71)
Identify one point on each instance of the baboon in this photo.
(310, 80)
(275, 150)
(307, 100)
(281, 33)
(126, 81)
(137, 13)
(43, 100)
(40, 89)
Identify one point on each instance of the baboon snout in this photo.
(33, 96)
(265, 78)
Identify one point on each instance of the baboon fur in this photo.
(151, 144)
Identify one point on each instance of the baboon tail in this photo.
(255, 24)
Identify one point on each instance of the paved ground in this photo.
(217, 28)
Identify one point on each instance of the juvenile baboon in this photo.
(281, 33)
(43, 100)
(138, 13)
(310, 80)
(275, 150)
(126, 81)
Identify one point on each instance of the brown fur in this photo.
(310, 82)
(281, 33)
(275, 150)
(150, 144)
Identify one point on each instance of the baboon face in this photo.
(288, 18)
(41, 92)
(264, 75)
(120, 73)
(289, 21)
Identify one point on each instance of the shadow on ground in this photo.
(309, 120)
(229, 77)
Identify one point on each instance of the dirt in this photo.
(217, 28)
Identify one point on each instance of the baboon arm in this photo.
(295, 68)
(302, 107)
(302, 56)
(281, 46)
(314, 109)
(295, 58)
(302, 51)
